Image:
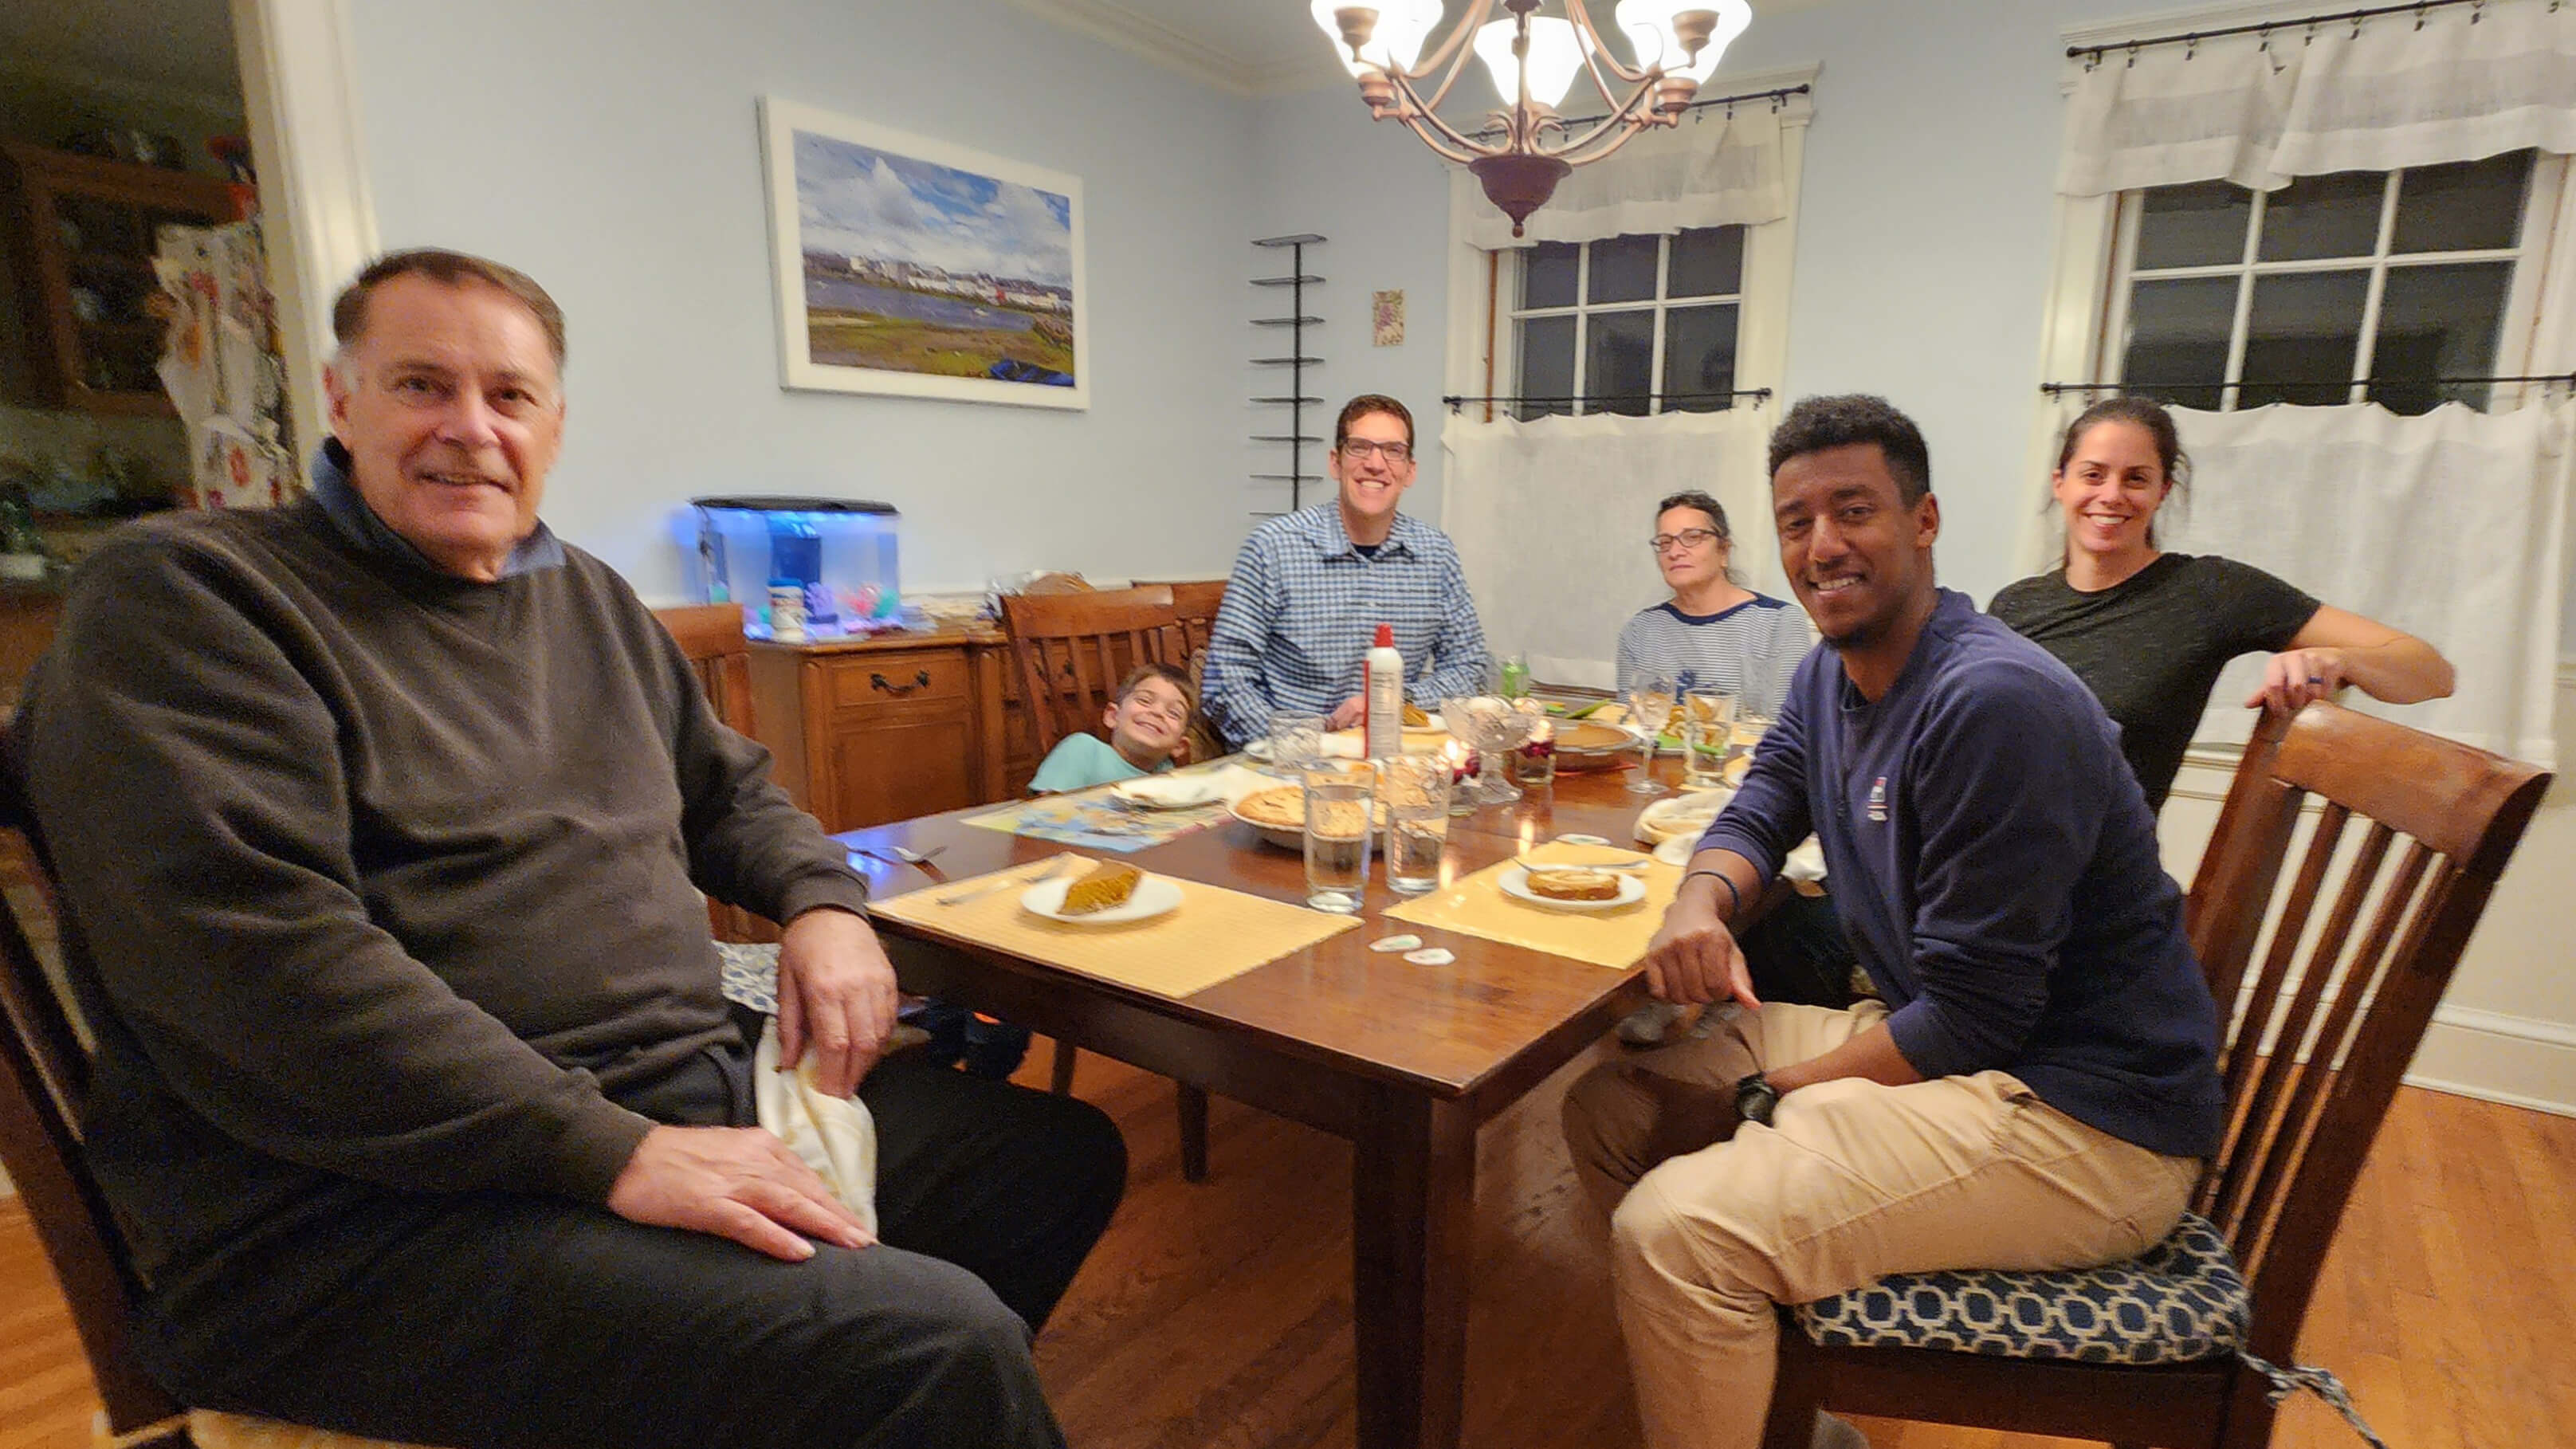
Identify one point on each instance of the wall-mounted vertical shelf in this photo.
(1297, 361)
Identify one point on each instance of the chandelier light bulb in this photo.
(1394, 30)
(1659, 30)
(1555, 55)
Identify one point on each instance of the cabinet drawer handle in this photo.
(920, 680)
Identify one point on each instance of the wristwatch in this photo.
(1755, 1099)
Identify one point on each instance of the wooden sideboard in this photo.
(873, 730)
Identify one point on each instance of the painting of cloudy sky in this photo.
(863, 202)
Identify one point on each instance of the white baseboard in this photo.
(2518, 1061)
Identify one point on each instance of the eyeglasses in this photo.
(1358, 450)
(1687, 538)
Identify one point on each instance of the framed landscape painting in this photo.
(915, 267)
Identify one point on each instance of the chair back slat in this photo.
(1073, 649)
(711, 637)
(2315, 1047)
(44, 1077)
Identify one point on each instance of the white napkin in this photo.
(834, 1135)
(1174, 791)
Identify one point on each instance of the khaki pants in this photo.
(1853, 1182)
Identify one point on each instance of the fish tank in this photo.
(838, 555)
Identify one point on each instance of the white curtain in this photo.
(2447, 526)
(1717, 168)
(2455, 84)
(1551, 520)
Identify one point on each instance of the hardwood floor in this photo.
(1219, 1314)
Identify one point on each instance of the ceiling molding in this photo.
(1138, 35)
(205, 103)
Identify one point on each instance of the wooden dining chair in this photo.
(44, 1076)
(1196, 601)
(1072, 649)
(712, 638)
(2188, 1345)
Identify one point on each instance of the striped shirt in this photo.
(1304, 604)
(1749, 651)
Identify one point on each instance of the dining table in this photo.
(1403, 1060)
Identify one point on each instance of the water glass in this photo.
(1296, 742)
(1415, 792)
(1747, 735)
(1534, 762)
(1708, 737)
(1650, 705)
(1337, 838)
(1515, 676)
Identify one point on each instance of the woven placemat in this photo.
(1214, 934)
(1475, 905)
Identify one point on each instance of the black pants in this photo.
(490, 1321)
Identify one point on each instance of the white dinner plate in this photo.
(1154, 896)
(1515, 883)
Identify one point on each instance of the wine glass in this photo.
(1650, 704)
(1492, 727)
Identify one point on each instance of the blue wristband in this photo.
(1735, 900)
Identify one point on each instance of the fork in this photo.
(1054, 868)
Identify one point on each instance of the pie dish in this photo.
(1278, 814)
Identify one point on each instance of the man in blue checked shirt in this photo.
(1311, 587)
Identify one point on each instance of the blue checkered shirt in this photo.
(1304, 606)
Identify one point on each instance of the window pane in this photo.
(1547, 366)
(1623, 269)
(2178, 339)
(1547, 275)
(1618, 361)
(1699, 357)
(2201, 225)
(1708, 261)
(2304, 339)
(2469, 206)
(2438, 322)
(2324, 216)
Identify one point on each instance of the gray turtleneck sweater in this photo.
(386, 879)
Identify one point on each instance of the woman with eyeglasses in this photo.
(1713, 633)
(2148, 631)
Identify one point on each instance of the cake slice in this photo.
(1107, 884)
(1574, 884)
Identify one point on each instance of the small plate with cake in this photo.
(1573, 888)
(1111, 893)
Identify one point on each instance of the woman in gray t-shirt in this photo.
(2148, 631)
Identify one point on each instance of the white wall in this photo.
(610, 149)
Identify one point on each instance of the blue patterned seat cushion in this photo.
(750, 975)
(2180, 1300)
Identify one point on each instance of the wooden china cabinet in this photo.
(874, 730)
(82, 233)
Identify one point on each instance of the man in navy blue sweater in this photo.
(2039, 1083)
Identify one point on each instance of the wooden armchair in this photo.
(1196, 601)
(2312, 1048)
(1072, 649)
(44, 1076)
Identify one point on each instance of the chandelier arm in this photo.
(1628, 119)
(1598, 50)
(1441, 148)
(1455, 45)
(1417, 117)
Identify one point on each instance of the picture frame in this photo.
(914, 267)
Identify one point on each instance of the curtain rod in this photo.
(2562, 379)
(1774, 95)
(1758, 394)
(2311, 22)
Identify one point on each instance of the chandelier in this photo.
(1526, 148)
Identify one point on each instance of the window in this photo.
(1630, 324)
(2359, 286)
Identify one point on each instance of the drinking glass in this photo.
(1708, 737)
(1414, 789)
(1515, 674)
(1492, 727)
(1296, 743)
(1747, 735)
(1650, 704)
(1534, 763)
(1337, 838)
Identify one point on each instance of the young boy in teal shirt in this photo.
(1148, 720)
